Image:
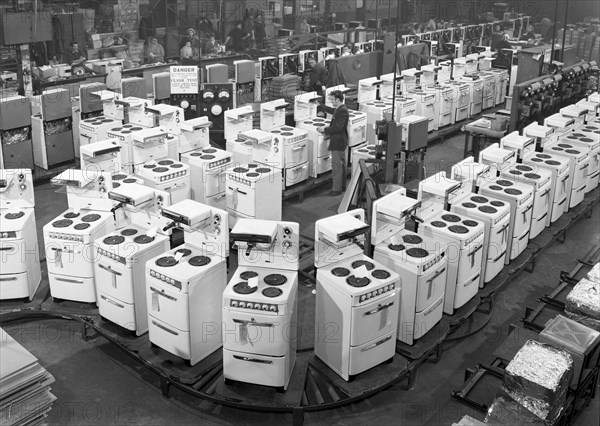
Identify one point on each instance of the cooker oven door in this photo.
(470, 260)
(240, 199)
(256, 333)
(214, 182)
(296, 153)
(430, 286)
(12, 253)
(114, 280)
(374, 319)
(70, 258)
(168, 304)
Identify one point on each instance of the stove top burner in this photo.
(129, 232)
(71, 215)
(263, 170)
(252, 174)
(209, 150)
(177, 166)
(63, 223)
(161, 169)
(451, 218)
(553, 163)
(438, 223)
(396, 247)
(544, 156)
(271, 292)
(470, 223)
(165, 162)
(458, 229)
(252, 166)
(532, 176)
(113, 240)
(207, 157)
(129, 180)
(495, 188)
(11, 216)
(587, 140)
(479, 199)
(166, 261)
(275, 279)
(199, 261)
(244, 288)
(82, 226)
(537, 160)
(90, 217)
(515, 172)
(417, 252)
(340, 272)
(246, 275)
(287, 128)
(184, 252)
(149, 166)
(523, 168)
(380, 274)
(564, 145)
(503, 182)
(572, 151)
(469, 205)
(240, 170)
(512, 191)
(119, 177)
(357, 282)
(488, 209)
(366, 263)
(412, 239)
(143, 239)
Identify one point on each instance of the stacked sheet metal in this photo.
(583, 303)
(538, 378)
(25, 397)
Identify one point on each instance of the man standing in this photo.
(338, 142)
(155, 52)
(318, 76)
(237, 37)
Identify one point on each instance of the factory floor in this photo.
(98, 384)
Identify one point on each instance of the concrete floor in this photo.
(98, 384)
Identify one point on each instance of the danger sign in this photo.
(184, 79)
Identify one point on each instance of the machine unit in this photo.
(319, 156)
(184, 286)
(359, 295)
(207, 172)
(288, 63)
(167, 175)
(262, 296)
(427, 107)
(15, 133)
(420, 262)
(103, 156)
(194, 134)
(215, 99)
(238, 120)
(20, 275)
(253, 192)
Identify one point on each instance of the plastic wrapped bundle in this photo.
(594, 274)
(583, 303)
(506, 411)
(468, 421)
(538, 378)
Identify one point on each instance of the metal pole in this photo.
(395, 63)
(562, 48)
(389, 14)
(552, 56)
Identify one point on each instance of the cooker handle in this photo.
(259, 361)
(109, 269)
(118, 305)
(168, 330)
(437, 274)
(379, 308)
(258, 324)
(158, 292)
(373, 345)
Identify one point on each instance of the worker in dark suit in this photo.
(318, 76)
(338, 141)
